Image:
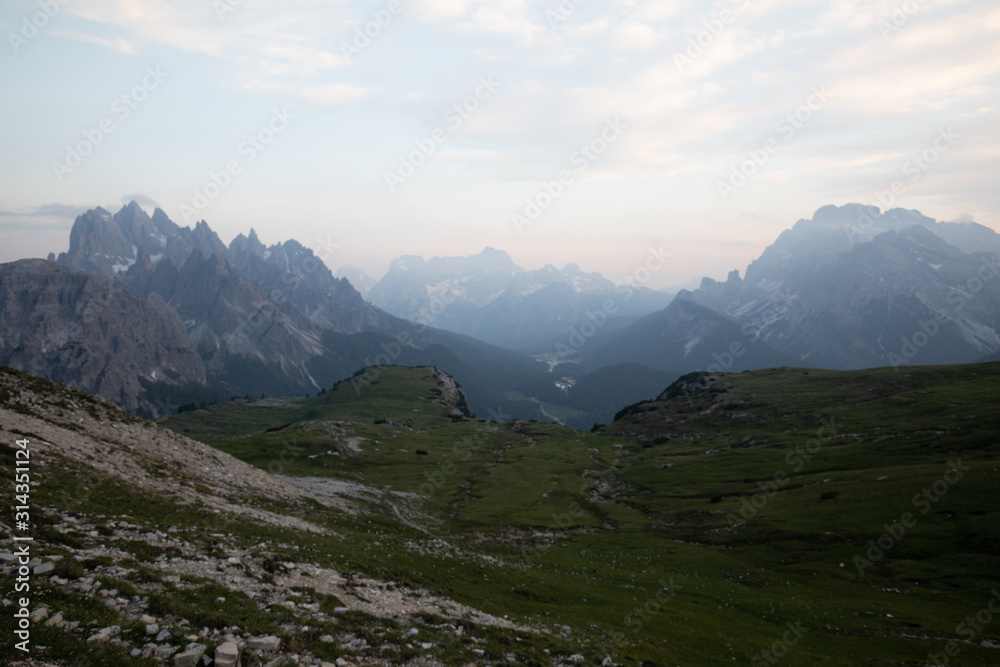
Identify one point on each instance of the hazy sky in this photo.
(321, 124)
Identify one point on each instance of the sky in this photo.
(574, 131)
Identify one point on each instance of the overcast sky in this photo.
(353, 141)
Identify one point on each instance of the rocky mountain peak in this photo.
(247, 244)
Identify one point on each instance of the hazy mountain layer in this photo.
(850, 288)
(489, 297)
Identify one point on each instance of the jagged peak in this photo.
(494, 253)
(96, 212)
(131, 211)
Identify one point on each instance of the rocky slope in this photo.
(90, 332)
(857, 288)
(293, 276)
(149, 545)
(248, 309)
(360, 280)
(685, 336)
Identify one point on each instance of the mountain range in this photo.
(855, 288)
(152, 315)
(491, 298)
(850, 288)
(185, 319)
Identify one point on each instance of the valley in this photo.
(734, 514)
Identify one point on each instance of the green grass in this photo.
(673, 477)
(633, 536)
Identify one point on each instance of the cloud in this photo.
(508, 18)
(561, 82)
(118, 43)
(271, 45)
(634, 37)
(41, 218)
(141, 200)
(332, 94)
(441, 9)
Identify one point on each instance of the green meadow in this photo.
(788, 516)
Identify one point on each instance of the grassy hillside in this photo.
(730, 520)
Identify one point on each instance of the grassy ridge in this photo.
(690, 531)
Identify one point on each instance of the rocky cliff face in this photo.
(855, 288)
(108, 244)
(248, 310)
(294, 277)
(683, 337)
(89, 332)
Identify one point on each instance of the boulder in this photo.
(227, 655)
(267, 644)
(189, 658)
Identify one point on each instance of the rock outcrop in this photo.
(89, 332)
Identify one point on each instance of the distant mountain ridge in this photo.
(256, 320)
(850, 288)
(358, 278)
(491, 298)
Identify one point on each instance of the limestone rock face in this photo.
(250, 311)
(89, 332)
